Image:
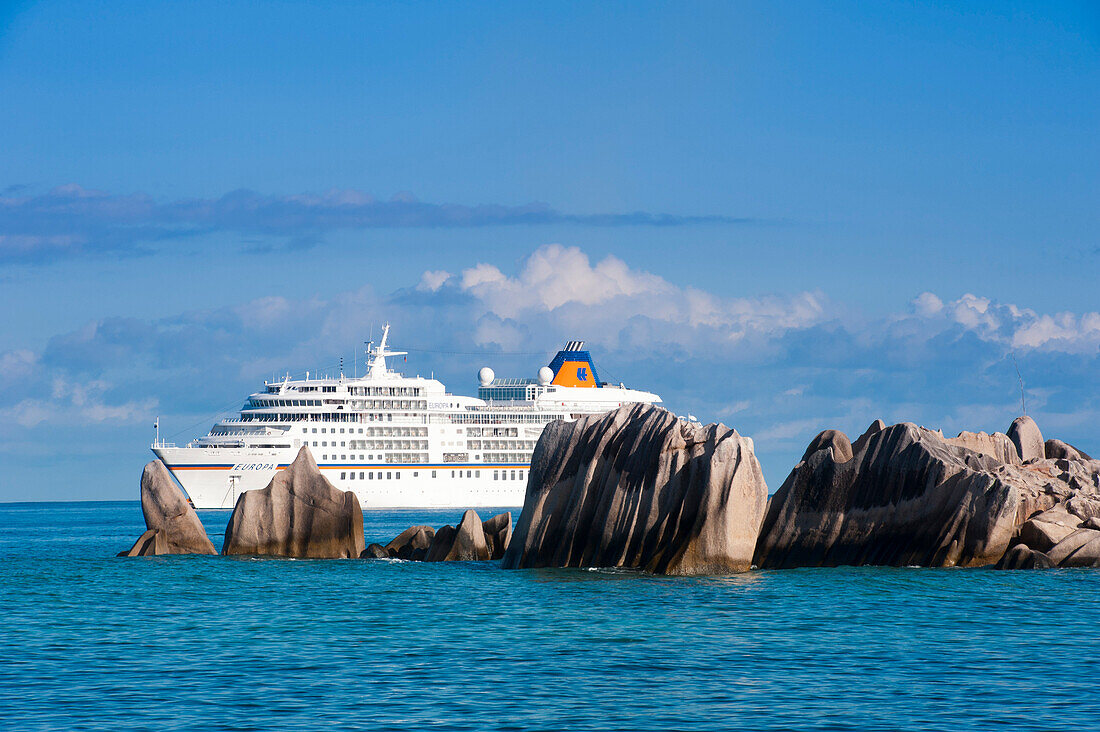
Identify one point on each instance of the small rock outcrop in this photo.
(498, 534)
(1027, 438)
(906, 495)
(412, 543)
(639, 487)
(473, 540)
(299, 514)
(169, 516)
(1020, 557)
(150, 544)
(464, 543)
(375, 551)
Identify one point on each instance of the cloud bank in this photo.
(778, 368)
(70, 220)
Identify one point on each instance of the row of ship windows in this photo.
(377, 431)
(506, 457)
(386, 390)
(390, 457)
(396, 475)
(388, 404)
(501, 444)
(379, 444)
(476, 418)
(332, 417)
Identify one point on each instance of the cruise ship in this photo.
(396, 441)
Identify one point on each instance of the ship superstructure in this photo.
(396, 441)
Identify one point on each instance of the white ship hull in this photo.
(215, 478)
(395, 441)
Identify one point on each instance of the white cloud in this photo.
(431, 280)
(16, 364)
(1013, 327)
(605, 301)
(927, 304)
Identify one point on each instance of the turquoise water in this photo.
(93, 642)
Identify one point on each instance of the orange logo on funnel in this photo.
(574, 373)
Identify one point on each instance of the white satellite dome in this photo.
(546, 375)
(485, 376)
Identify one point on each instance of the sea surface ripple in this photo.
(89, 641)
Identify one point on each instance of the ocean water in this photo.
(89, 641)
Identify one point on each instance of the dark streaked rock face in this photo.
(298, 514)
(640, 488)
(166, 508)
(1027, 438)
(907, 496)
(173, 526)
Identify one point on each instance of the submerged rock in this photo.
(411, 541)
(375, 551)
(471, 541)
(149, 544)
(298, 514)
(168, 514)
(1027, 438)
(1020, 557)
(638, 487)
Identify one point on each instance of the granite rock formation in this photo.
(498, 534)
(464, 543)
(905, 495)
(997, 446)
(168, 515)
(471, 541)
(640, 488)
(298, 514)
(412, 543)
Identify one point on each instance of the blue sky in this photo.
(784, 216)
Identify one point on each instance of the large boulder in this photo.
(1058, 450)
(1043, 531)
(907, 496)
(169, 514)
(298, 514)
(1027, 438)
(464, 543)
(640, 488)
